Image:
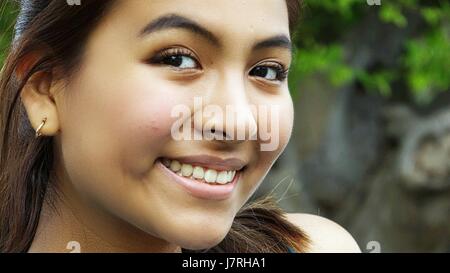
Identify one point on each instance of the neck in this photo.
(75, 225)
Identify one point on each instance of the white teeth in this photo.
(199, 173)
(175, 166)
(186, 170)
(231, 175)
(222, 177)
(210, 176)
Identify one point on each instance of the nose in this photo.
(228, 116)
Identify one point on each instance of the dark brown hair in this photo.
(58, 33)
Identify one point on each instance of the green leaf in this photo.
(391, 13)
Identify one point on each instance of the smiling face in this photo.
(146, 58)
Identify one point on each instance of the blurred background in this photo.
(371, 142)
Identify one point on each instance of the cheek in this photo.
(143, 122)
(142, 130)
(121, 123)
(286, 122)
(280, 138)
(275, 125)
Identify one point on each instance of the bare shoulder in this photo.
(325, 235)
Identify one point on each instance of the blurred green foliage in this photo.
(8, 12)
(423, 66)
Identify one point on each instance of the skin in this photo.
(111, 122)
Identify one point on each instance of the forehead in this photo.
(237, 19)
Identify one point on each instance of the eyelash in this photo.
(161, 56)
(281, 71)
(170, 52)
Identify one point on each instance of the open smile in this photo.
(204, 176)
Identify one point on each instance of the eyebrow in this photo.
(171, 21)
(276, 41)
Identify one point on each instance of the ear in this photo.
(37, 97)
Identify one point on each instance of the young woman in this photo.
(88, 153)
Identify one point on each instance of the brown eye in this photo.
(180, 61)
(177, 58)
(270, 72)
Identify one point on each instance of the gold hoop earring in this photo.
(38, 130)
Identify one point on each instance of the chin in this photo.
(201, 237)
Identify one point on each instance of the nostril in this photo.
(224, 134)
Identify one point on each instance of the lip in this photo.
(212, 162)
(199, 189)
